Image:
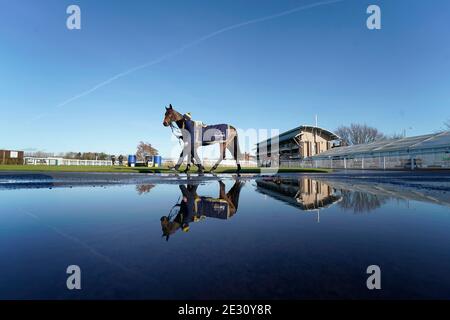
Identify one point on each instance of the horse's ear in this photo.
(170, 106)
(167, 108)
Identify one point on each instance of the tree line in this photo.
(71, 155)
(361, 133)
(143, 151)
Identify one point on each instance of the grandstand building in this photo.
(296, 144)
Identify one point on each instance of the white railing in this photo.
(53, 161)
(72, 162)
(438, 160)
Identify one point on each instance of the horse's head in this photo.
(170, 116)
(168, 227)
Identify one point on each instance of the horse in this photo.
(195, 135)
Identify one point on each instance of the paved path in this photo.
(425, 179)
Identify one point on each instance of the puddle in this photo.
(268, 238)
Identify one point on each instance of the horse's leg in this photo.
(188, 160)
(183, 154)
(223, 150)
(180, 160)
(233, 146)
(197, 160)
(233, 194)
(222, 193)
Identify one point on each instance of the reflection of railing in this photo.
(387, 190)
(357, 196)
(361, 202)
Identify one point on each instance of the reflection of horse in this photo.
(195, 135)
(193, 207)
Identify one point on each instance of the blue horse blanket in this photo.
(205, 135)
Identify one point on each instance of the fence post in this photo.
(384, 162)
(362, 163)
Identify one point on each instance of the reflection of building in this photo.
(298, 143)
(314, 194)
(356, 196)
(304, 193)
(352, 193)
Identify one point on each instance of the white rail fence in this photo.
(55, 161)
(65, 162)
(439, 160)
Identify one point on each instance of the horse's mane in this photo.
(178, 113)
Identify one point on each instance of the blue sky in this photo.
(277, 73)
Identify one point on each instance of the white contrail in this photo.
(86, 246)
(189, 45)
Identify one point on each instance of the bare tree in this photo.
(394, 136)
(145, 149)
(358, 134)
(86, 155)
(144, 188)
(40, 154)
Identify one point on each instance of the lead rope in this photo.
(172, 212)
(180, 137)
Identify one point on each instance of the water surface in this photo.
(270, 238)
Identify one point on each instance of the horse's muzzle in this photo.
(165, 124)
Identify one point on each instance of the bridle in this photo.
(173, 212)
(178, 134)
